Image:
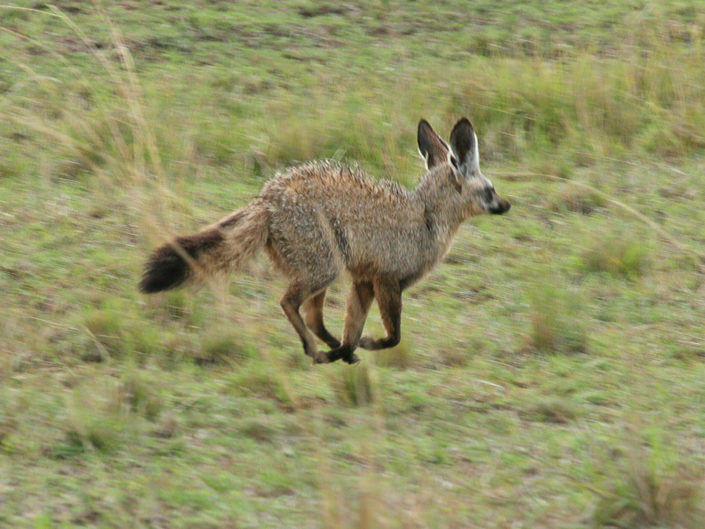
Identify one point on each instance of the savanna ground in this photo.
(552, 369)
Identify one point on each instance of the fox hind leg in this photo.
(295, 295)
(313, 316)
(301, 246)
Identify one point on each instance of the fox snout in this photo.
(500, 207)
(493, 203)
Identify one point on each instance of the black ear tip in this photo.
(423, 134)
(464, 123)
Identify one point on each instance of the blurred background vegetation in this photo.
(551, 372)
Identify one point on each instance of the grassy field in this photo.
(552, 369)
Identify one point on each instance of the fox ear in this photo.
(465, 156)
(431, 147)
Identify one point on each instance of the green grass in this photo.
(550, 372)
(657, 490)
(557, 317)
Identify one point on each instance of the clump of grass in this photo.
(90, 432)
(576, 200)
(8, 421)
(166, 427)
(176, 304)
(686, 352)
(258, 429)
(115, 332)
(551, 409)
(143, 338)
(331, 132)
(177, 347)
(654, 491)
(93, 423)
(618, 255)
(98, 413)
(354, 386)
(295, 359)
(457, 352)
(106, 328)
(272, 484)
(454, 357)
(259, 379)
(556, 319)
(138, 395)
(399, 357)
(222, 348)
(560, 165)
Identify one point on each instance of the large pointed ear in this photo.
(463, 144)
(431, 147)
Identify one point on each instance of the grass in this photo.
(355, 386)
(556, 318)
(616, 255)
(526, 356)
(657, 489)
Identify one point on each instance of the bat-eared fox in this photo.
(318, 219)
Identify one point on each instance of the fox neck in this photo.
(445, 208)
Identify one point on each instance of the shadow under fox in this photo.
(321, 218)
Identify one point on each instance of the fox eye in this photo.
(489, 194)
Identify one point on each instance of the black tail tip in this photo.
(166, 269)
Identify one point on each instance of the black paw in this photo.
(344, 353)
(352, 358)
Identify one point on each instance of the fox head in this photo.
(460, 161)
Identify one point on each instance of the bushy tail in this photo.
(224, 246)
